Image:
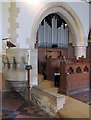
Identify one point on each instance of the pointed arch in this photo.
(68, 15)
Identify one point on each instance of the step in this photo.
(49, 101)
(40, 78)
(53, 89)
(46, 84)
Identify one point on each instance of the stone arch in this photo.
(69, 16)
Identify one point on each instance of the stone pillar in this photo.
(79, 51)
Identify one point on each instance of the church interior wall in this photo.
(80, 7)
(24, 23)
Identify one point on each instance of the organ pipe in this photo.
(45, 33)
(54, 30)
(48, 36)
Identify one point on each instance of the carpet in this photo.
(14, 106)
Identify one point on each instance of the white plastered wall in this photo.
(0, 37)
(0, 52)
(28, 13)
(89, 21)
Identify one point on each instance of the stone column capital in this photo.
(80, 51)
(79, 43)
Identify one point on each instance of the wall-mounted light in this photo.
(65, 24)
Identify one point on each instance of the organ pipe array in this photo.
(52, 36)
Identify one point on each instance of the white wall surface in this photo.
(28, 13)
(0, 28)
(25, 19)
(5, 16)
(82, 11)
(90, 15)
(0, 37)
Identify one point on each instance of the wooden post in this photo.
(28, 68)
(28, 72)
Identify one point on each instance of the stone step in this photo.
(40, 78)
(49, 101)
(53, 89)
(46, 84)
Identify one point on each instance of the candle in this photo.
(28, 57)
